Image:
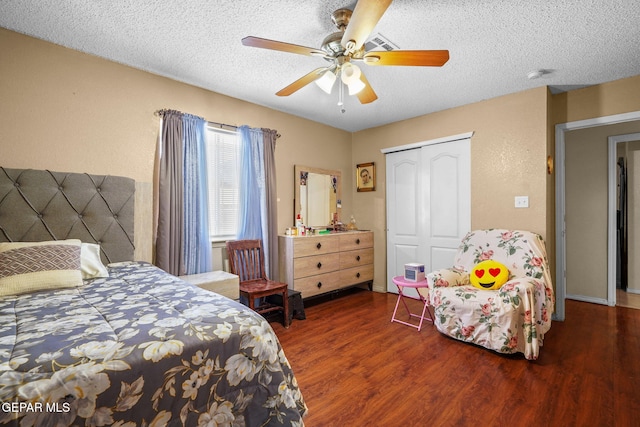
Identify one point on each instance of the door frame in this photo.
(611, 210)
(451, 138)
(561, 129)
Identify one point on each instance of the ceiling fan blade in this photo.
(302, 82)
(429, 58)
(367, 94)
(365, 16)
(282, 46)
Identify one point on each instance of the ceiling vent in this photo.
(378, 42)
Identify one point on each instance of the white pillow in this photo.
(33, 266)
(91, 264)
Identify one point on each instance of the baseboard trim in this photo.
(592, 300)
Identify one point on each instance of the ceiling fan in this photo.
(346, 46)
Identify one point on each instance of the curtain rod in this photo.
(214, 124)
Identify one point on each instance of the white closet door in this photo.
(447, 200)
(428, 205)
(404, 213)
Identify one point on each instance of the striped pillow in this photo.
(33, 266)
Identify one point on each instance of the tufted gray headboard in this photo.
(38, 205)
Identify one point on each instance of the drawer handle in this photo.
(319, 265)
(358, 275)
(319, 285)
(358, 258)
(319, 245)
(357, 241)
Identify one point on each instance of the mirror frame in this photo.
(296, 187)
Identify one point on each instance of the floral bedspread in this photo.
(141, 348)
(511, 319)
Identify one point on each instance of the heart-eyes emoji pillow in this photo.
(489, 274)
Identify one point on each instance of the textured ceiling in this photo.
(493, 45)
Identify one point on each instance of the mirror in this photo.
(318, 195)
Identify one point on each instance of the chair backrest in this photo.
(246, 259)
(522, 252)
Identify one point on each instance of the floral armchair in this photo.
(511, 319)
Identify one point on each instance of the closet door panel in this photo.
(447, 184)
(404, 219)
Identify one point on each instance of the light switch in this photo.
(522, 201)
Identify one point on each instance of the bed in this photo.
(130, 344)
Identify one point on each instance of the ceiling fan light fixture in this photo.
(350, 73)
(355, 87)
(326, 81)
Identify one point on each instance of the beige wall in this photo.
(617, 97)
(508, 158)
(513, 136)
(68, 111)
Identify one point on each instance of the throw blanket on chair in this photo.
(513, 318)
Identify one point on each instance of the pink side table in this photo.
(401, 283)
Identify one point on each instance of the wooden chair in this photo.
(246, 260)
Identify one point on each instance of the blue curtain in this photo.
(251, 183)
(257, 206)
(197, 246)
(182, 241)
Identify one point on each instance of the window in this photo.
(223, 154)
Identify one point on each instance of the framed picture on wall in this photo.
(366, 177)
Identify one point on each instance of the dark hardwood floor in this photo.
(356, 368)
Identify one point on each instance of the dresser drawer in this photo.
(319, 284)
(316, 264)
(351, 241)
(354, 275)
(305, 246)
(356, 258)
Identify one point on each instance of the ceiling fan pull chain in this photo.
(341, 95)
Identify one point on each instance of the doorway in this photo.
(624, 220)
(605, 294)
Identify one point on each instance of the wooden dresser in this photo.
(318, 264)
